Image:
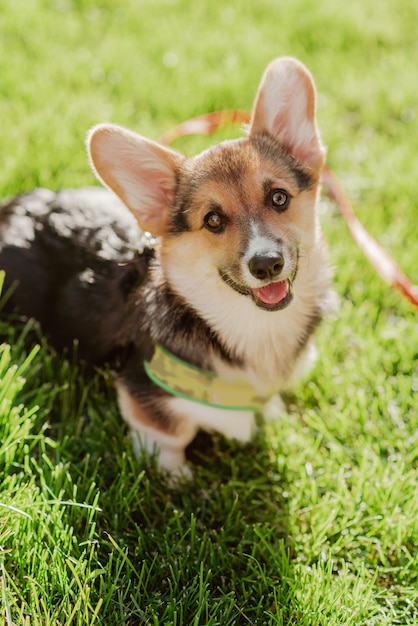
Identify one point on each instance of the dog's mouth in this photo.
(272, 297)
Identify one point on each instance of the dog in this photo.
(201, 280)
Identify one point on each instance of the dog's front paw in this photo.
(274, 409)
(173, 461)
(170, 459)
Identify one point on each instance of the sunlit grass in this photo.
(316, 522)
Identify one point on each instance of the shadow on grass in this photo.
(219, 542)
(214, 548)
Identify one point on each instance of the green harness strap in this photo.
(187, 381)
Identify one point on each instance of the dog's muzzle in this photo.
(272, 296)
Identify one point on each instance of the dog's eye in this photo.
(215, 221)
(280, 199)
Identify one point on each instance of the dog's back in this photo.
(71, 260)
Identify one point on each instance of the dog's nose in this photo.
(263, 267)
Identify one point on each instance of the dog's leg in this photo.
(274, 409)
(148, 437)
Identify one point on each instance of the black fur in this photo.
(71, 262)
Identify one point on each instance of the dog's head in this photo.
(240, 215)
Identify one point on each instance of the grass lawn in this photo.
(316, 522)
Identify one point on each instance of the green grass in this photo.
(316, 522)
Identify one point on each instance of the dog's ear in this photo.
(141, 172)
(285, 107)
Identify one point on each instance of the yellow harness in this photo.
(187, 381)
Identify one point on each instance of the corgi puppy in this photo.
(213, 314)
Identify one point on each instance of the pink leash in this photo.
(377, 255)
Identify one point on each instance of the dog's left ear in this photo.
(285, 107)
(141, 172)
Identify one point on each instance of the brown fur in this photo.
(210, 269)
(237, 280)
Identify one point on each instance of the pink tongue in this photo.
(272, 293)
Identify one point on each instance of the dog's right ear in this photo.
(141, 172)
(285, 107)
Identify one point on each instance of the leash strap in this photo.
(376, 254)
